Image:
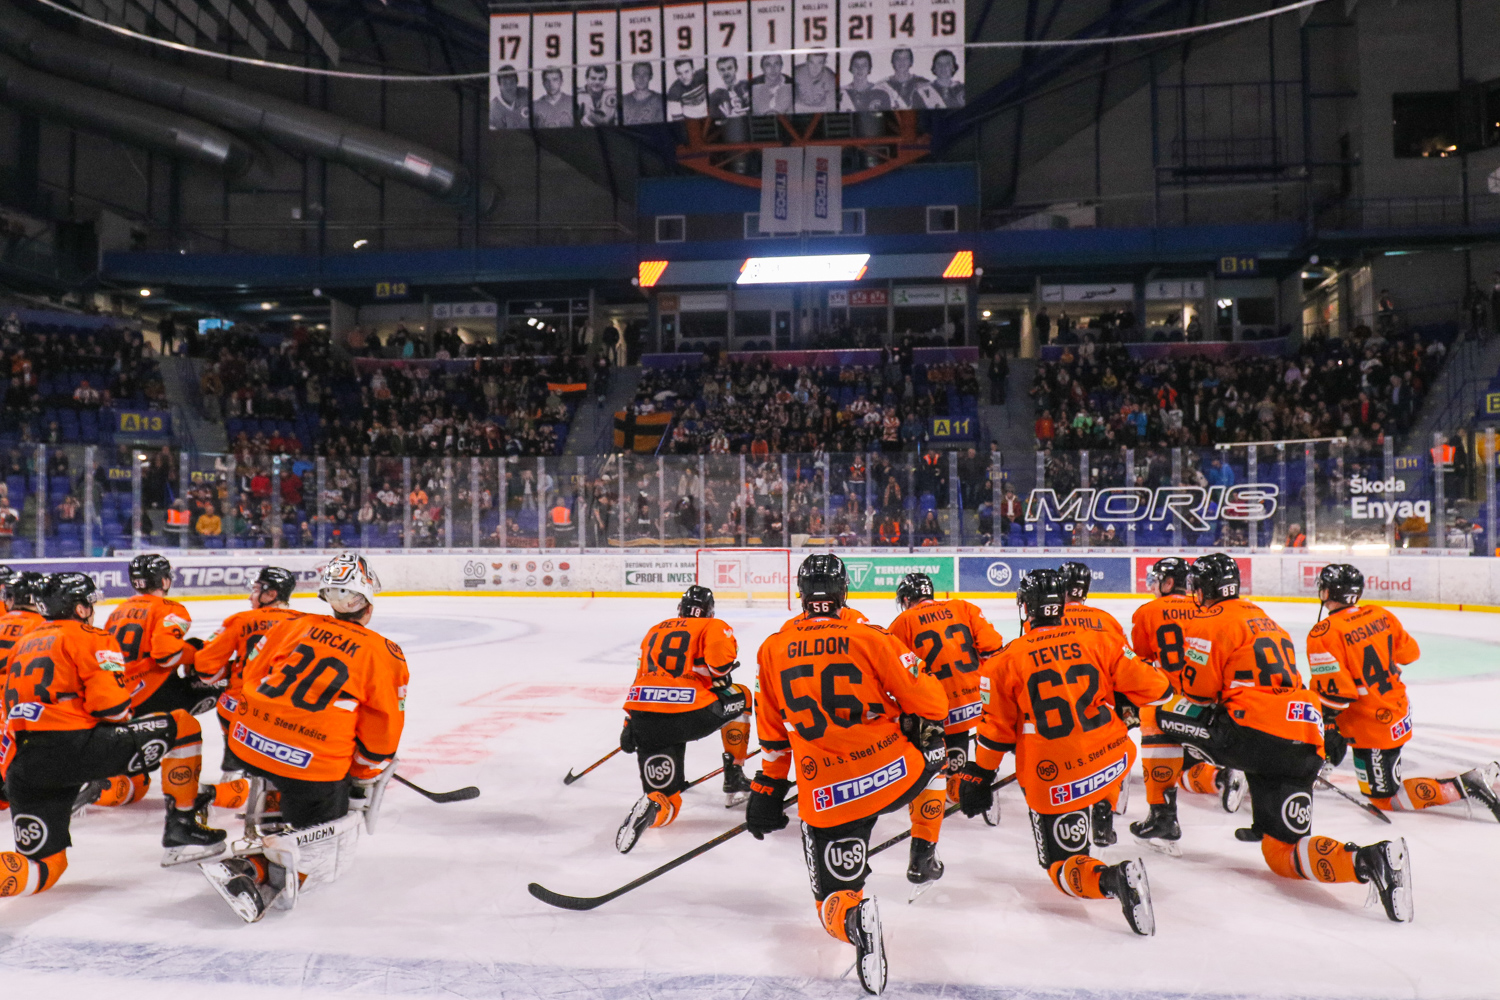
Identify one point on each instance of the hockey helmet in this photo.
(1041, 596)
(1171, 568)
(274, 578)
(63, 593)
(25, 590)
(913, 589)
(1076, 579)
(348, 583)
(697, 602)
(150, 572)
(1214, 578)
(822, 583)
(1340, 582)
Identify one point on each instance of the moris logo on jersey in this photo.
(1304, 711)
(661, 695)
(276, 751)
(1401, 728)
(1071, 791)
(843, 792)
(963, 713)
(31, 711)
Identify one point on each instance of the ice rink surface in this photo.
(509, 693)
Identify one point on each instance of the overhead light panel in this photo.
(796, 270)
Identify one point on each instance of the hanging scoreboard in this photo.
(724, 59)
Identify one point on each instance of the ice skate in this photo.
(1127, 882)
(736, 785)
(1478, 785)
(924, 867)
(1103, 824)
(1232, 788)
(236, 880)
(1386, 867)
(862, 927)
(642, 815)
(186, 837)
(1160, 830)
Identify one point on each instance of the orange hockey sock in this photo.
(736, 738)
(1314, 858)
(1161, 764)
(231, 794)
(1200, 778)
(832, 910)
(927, 813)
(670, 806)
(183, 763)
(21, 876)
(123, 789)
(1078, 876)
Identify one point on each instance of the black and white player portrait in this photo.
(597, 103)
(902, 81)
(643, 103)
(687, 97)
(554, 107)
(946, 85)
(816, 84)
(862, 93)
(771, 92)
(510, 103)
(731, 98)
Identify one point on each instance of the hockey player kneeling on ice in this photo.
(683, 692)
(321, 717)
(952, 637)
(860, 718)
(1244, 706)
(1356, 655)
(1050, 699)
(69, 723)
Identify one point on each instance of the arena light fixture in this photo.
(961, 266)
(360, 243)
(788, 270)
(649, 272)
(145, 293)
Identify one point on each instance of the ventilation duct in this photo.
(287, 124)
(130, 121)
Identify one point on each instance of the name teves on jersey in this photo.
(1063, 652)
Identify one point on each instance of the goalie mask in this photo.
(348, 584)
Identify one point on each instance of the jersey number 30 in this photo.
(278, 681)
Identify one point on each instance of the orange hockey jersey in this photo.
(323, 698)
(952, 637)
(830, 694)
(13, 627)
(1356, 656)
(1156, 631)
(151, 631)
(1238, 656)
(1080, 615)
(1050, 698)
(680, 660)
(222, 658)
(65, 675)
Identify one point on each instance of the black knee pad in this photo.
(661, 769)
(837, 857)
(1060, 836)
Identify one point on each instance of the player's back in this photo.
(145, 625)
(952, 637)
(316, 691)
(1090, 618)
(13, 628)
(64, 675)
(1238, 655)
(1356, 655)
(1052, 696)
(828, 692)
(223, 656)
(680, 659)
(1156, 630)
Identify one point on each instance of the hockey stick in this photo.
(574, 777)
(717, 770)
(457, 795)
(589, 902)
(1366, 806)
(898, 838)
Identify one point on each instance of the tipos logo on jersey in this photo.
(1401, 728)
(111, 660)
(31, 711)
(963, 713)
(1323, 663)
(229, 703)
(1072, 791)
(1304, 711)
(843, 792)
(294, 756)
(653, 695)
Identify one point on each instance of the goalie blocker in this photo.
(323, 707)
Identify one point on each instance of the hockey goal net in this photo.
(747, 576)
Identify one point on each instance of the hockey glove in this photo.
(1126, 710)
(927, 736)
(195, 642)
(975, 789)
(627, 738)
(766, 811)
(1335, 745)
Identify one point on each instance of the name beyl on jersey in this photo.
(1191, 506)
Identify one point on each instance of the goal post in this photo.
(749, 576)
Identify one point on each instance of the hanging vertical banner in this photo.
(863, 29)
(770, 40)
(781, 187)
(822, 189)
(510, 79)
(899, 34)
(815, 79)
(552, 63)
(640, 53)
(598, 83)
(728, 59)
(685, 70)
(939, 54)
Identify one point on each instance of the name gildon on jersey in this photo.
(842, 792)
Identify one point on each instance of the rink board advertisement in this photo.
(1447, 580)
(978, 574)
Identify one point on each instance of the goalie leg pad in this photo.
(312, 856)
